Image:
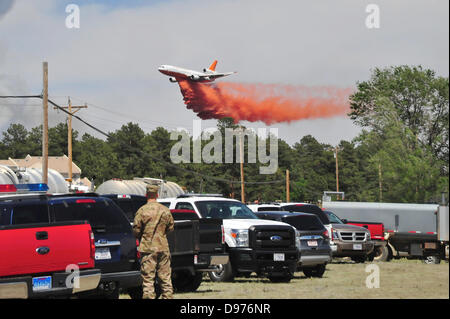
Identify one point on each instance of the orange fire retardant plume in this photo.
(269, 103)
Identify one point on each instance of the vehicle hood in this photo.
(247, 223)
(348, 227)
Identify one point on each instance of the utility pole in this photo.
(69, 132)
(45, 124)
(241, 153)
(337, 170)
(288, 197)
(380, 182)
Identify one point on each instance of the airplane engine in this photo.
(173, 80)
(194, 77)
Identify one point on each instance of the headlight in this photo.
(335, 234)
(240, 237)
(368, 236)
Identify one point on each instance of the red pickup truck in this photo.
(40, 258)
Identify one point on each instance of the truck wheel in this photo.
(135, 293)
(225, 273)
(280, 279)
(430, 260)
(381, 253)
(185, 282)
(359, 259)
(316, 271)
(197, 281)
(390, 253)
(113, 294)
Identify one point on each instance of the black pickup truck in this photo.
(196, 246)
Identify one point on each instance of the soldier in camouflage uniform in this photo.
(151, 224)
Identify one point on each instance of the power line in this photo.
(110, 111)
(20, 96)
(140, 151)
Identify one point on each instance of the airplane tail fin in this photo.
(212, 67)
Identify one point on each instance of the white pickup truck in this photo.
(265, 247)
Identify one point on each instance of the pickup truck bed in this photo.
(38, 259)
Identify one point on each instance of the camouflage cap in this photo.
(152, 188)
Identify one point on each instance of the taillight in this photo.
(223, 234)
(92, 244)
(325, 234)
(138, 252)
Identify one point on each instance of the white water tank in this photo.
(56, 182)
(7, 175)
(138, 187)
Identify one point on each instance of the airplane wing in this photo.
(216, 75)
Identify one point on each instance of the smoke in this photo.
(5, 6)
(269, 103)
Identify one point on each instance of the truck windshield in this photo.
(333, 218)
(224, 210)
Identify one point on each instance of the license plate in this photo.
(42, 283)
(102, 253)
(278, 257)
(357, 246)
(312, 243)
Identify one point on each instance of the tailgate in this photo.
(211, 237)
(44, 249)
(184, 239)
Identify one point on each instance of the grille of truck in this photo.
(352, 236)
(264, 236)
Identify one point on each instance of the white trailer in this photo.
(411, 230)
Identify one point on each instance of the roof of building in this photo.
(58, 163)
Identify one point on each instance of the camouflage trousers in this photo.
(152, 264)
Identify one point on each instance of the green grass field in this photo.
(399, 279)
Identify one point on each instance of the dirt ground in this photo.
(398, 279)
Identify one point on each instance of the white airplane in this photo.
(208, 75)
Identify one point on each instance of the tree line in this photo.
(401, 154)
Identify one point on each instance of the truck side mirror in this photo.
(345, 221)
